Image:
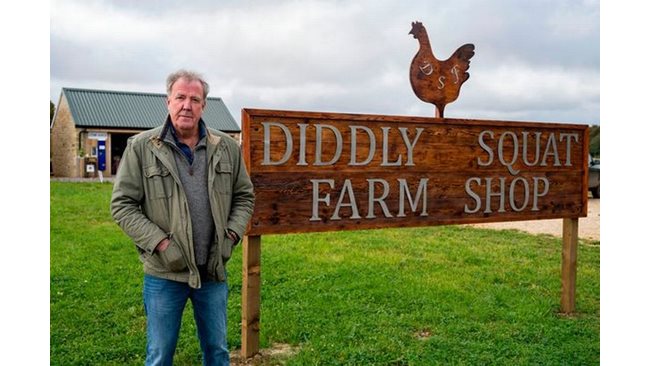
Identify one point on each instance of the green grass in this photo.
(423, 296)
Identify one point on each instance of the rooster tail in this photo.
(464, 52)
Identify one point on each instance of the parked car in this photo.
(594, 177)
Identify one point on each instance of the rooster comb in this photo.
(417, 26)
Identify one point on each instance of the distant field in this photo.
(424, 296)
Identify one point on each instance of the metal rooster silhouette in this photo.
(434, 81)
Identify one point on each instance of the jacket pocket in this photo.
(172, 258)
(144, 256)
(223, 177)
(159, 181)
(226, 249)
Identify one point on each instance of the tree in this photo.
(594, 140)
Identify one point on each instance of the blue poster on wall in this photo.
(101, 155)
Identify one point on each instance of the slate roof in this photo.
(119, 109)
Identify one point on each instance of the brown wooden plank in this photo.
(251, 295)
(447, 146)
(288, 206)
(569, 264)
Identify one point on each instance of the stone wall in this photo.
(64, 143)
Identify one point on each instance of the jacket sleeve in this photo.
(128, 194)
(243, 197)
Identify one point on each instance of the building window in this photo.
(93, 151)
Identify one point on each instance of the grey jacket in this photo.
(149, 204)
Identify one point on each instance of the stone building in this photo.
(90, 127)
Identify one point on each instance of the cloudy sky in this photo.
(535, 60)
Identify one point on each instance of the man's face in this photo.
(185, 104)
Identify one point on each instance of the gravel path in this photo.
(588, 227)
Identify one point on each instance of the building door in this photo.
(118, 144)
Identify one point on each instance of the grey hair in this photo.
(189, 76)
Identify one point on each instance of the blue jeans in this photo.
(164, 301)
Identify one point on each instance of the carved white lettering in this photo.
(328, 151)
(316, 197)
(347, 189)
(385, 162)
(421, 192)
(441, 82)
(410, 146)
(353, 145)
(537, 193)
(508, 143)
(515, 149)
(319, 145)
(496, 188)
(474, 195)
(513, 187)
(501, 194)
(427, 69)
(568, 136)
(454, 70)
(372, 200)
(267, 143)
(303, 138)
(347, 198)
(551, 149)
(486, 147)
(524, 152)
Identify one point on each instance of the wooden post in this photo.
(569, 264)
(251, 296)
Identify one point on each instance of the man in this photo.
(183, 195)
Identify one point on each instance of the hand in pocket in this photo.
(172, 257)
(230, 240)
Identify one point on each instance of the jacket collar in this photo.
(214, 147)
(161, 150)
(169, 134)
(211, 138)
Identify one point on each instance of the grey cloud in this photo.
(340, 56)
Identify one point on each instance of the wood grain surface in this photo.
(316, 171)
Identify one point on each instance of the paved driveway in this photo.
(588, 227)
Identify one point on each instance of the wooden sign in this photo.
(436, 81)
(325, 171)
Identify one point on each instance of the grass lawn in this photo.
(421, 296)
